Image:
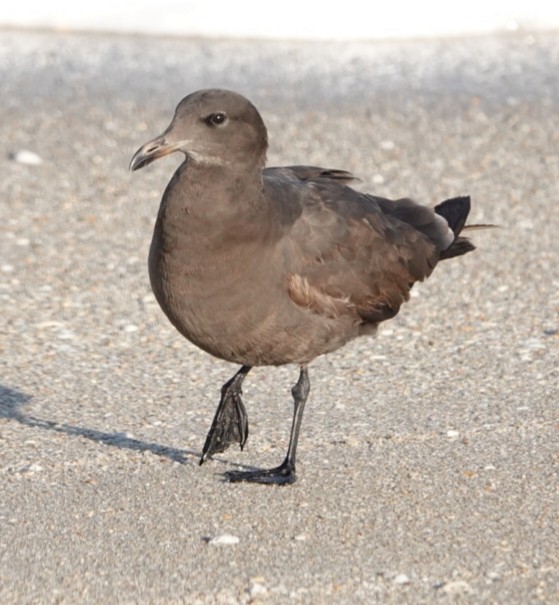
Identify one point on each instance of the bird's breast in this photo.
(223, 301)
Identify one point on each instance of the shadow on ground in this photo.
(13, 401)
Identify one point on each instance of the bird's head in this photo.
(211, 127)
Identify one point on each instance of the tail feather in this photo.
(455, 211)
(461, 245)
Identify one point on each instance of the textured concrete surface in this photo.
(428, 458)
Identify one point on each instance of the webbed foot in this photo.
(281, 475)
(230, 423)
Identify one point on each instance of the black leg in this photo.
(230, 423)
(285, 473)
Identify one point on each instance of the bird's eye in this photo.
(216, 119)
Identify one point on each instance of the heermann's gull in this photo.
(269, 266)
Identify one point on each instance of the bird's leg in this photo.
(285, 473)
(230, 423)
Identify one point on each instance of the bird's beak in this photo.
(151, 151)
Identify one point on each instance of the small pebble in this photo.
(401, 579)
(387, 145)
(534, 344)
(456, 587)
(32, 468)
(453, 434)
(257, 590)
(65, 334)
(24, 156)
(123, 436)
(224, 539)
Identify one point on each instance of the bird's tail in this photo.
(455, 211)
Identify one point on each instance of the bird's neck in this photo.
(214, 206)
(215, 191)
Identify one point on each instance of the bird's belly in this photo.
(246, 321)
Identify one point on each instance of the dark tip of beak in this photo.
(149, 152)
(138, 161)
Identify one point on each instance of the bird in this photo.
(268, 266)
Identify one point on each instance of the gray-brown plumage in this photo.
(269, 266)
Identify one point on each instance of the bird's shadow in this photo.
(13, 401)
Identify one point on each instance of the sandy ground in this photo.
(428, 457)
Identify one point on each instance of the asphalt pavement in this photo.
(428, 456)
